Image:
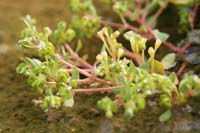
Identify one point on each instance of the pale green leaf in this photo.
(165, 116)
(75, 74)
(69, 102)
(157, 67)
(173, 78)
(169, 61)
(160, 35)
(79, 46)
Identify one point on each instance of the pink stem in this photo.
(181, 69)
(94, 90)
(118, 25)
(87, 70)
(171, 46)
(133, 56)
(157, 14)
(85, 81)
(93, 77)
(193, 16)
(80, 81)
(77, 57)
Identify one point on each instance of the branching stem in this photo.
(77, 57)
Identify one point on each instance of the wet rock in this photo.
(192, 55)
(186, 125)
(193, 37)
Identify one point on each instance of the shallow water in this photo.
(17, 111)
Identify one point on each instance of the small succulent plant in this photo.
(57, 72)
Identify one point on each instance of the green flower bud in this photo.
(70, 35)
(142, 45)
(157, 44)
(120, 52)
(99, 58)
(130, 107)
(62, 75)
(104, 55)
(45, 104)
(151, 52)
(61, 25)
(47, 31)
(26, 43)
(65, 91)
(165, 101)
(115, 34)
(109, 114)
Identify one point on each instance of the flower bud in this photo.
(151, 51)
(120, 52)
(99, 58)
(47, 31)
(116, 34)
(104, 55)
(157, 44)
(142, 45)
(105, 31)
(100, 34)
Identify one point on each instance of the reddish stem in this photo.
(87, 70)
(157, 14)
(94, 90)
(182, 50)
(118, 25)
(92, 77)
(72, 66)
(80, 81)
(77, 57)
(193, 16)
(184, 64)
(181, 69)
(135, 57)
(84, 81)
(172, 47)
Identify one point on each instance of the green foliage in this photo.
(61, 34)
(82, 23)
(108, 105)
(56, 72)
(183, 2)
(138, 83)
(85, 24)
(80, 7)
(184, 20)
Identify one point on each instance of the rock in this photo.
(193, 37)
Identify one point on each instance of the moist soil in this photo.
(18, 114)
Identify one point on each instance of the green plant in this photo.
(131, 75)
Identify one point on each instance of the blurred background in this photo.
(47, 13)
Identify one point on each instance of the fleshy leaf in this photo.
(75, 74)
(173, 78)
(160, 35)
(165, 116)
(158, 67)
(169, 61)
(69, 102)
